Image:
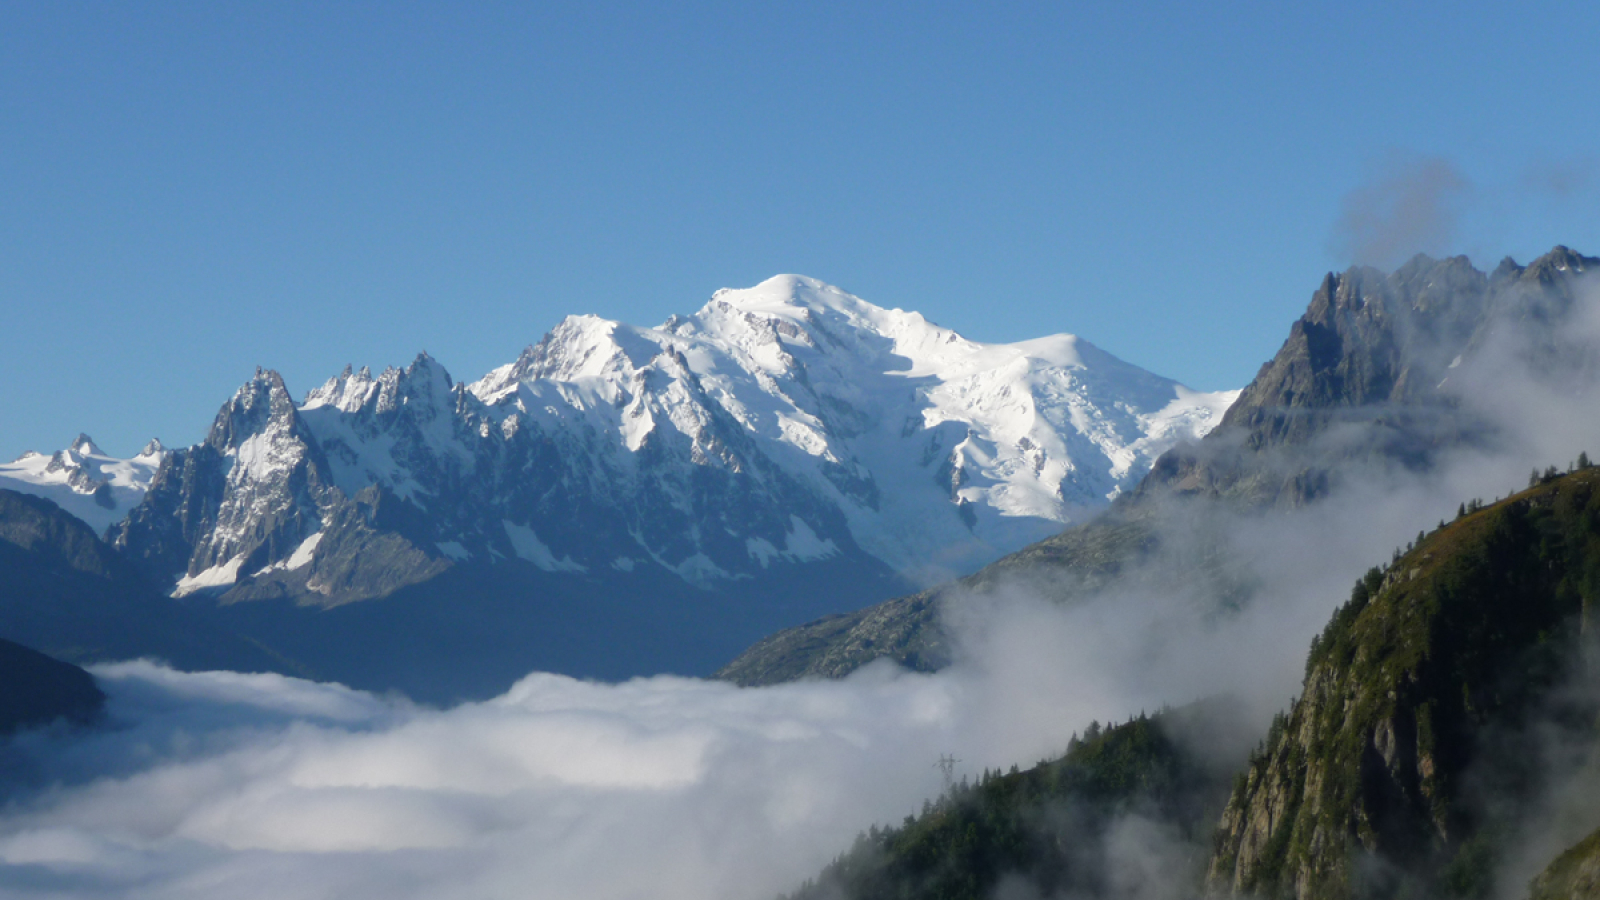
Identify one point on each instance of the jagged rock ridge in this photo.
(779, 426)
(1371, 374)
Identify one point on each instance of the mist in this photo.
(223, 784)
(1407, 205)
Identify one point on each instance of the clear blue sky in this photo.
(190, 190)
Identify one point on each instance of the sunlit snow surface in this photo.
(1027, 436)
(937, 453)
(84, 480)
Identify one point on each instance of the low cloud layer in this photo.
(219, 784)
(260, 786)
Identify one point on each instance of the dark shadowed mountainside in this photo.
(68, 594)
(37, 690)
(1063, 827)
(1444, 745)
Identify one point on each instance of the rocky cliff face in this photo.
(1369, 376)
(1432, 713)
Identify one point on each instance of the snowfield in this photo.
(84, 481)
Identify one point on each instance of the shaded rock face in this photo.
(388, 481)
(1421, 741)
(227, 516)
(36, 690)
(66, 593)
(1365, 376)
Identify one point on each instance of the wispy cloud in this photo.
(1407, 205)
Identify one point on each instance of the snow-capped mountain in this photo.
(84, 481)
(932, 446)
(779, 426)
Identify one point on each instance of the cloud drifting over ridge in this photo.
(218, 784)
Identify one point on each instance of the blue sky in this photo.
(190, 190)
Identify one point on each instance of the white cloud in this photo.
(261, 786)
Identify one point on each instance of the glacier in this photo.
(84, 480)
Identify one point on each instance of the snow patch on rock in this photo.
(527, 545)
(218, 576)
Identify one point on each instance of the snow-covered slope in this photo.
(778, 427)
(936, 448)
(84, 481)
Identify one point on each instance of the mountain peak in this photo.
(262, 400)
(1560, 261)
(83, 479)
(788, 293)
(347, 390)
(426, 367)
